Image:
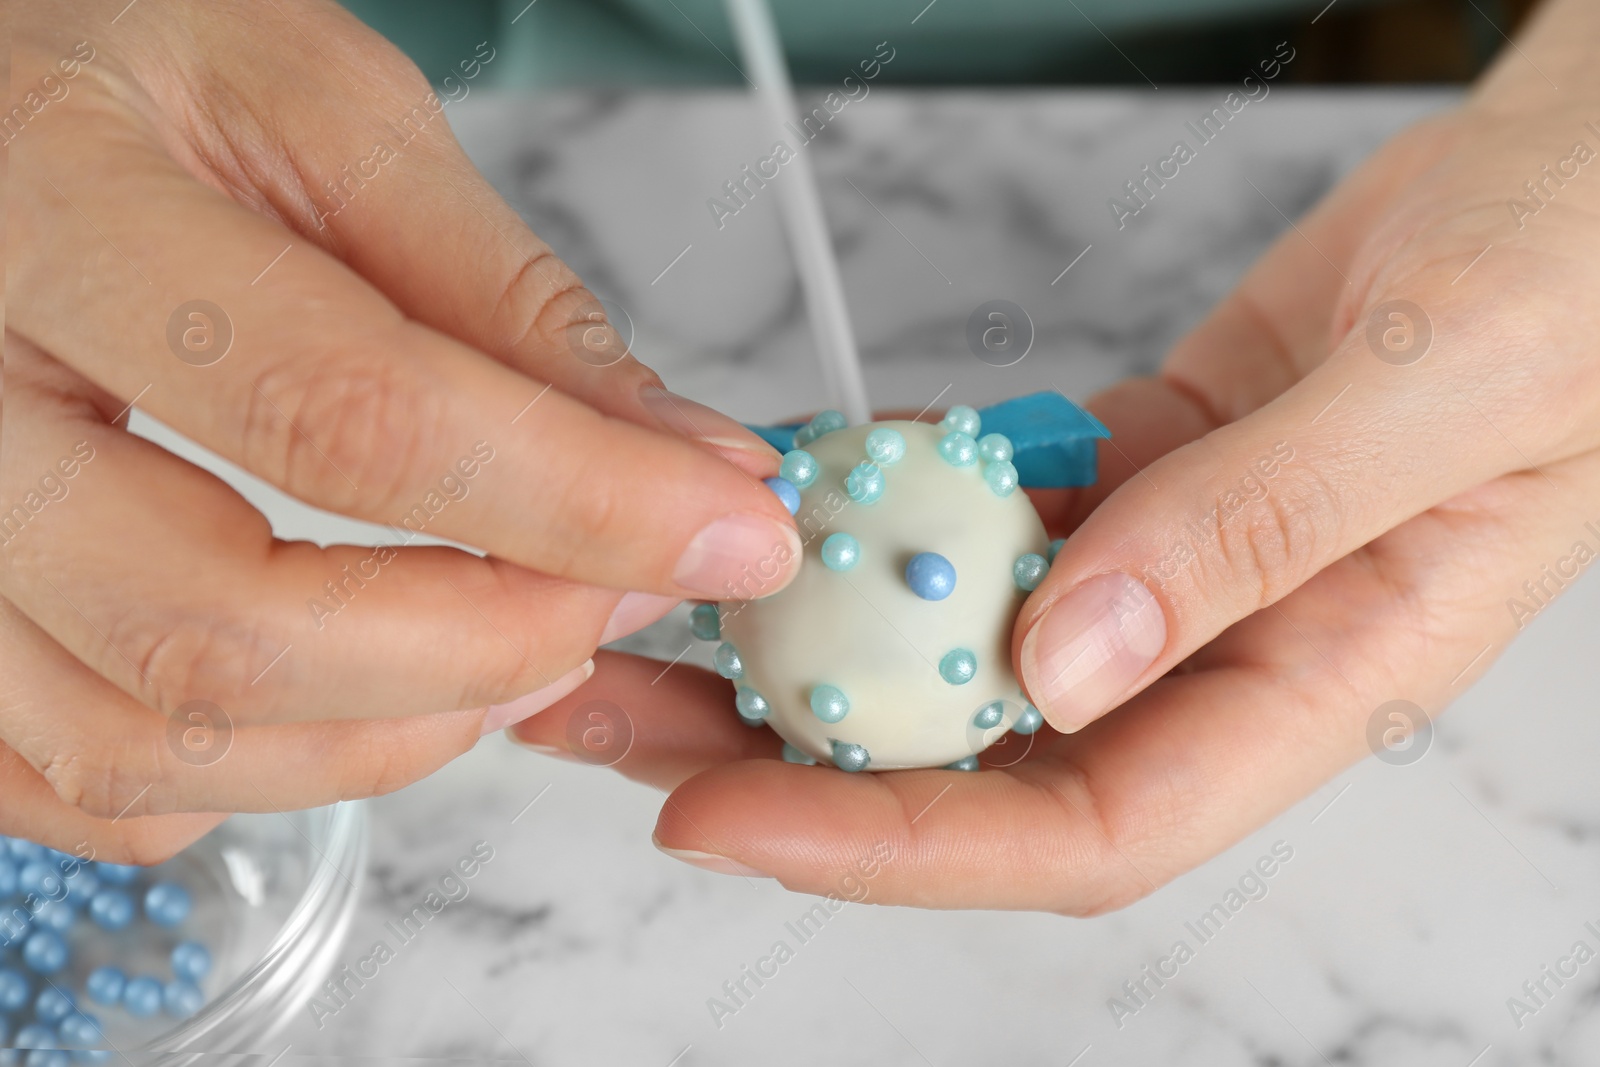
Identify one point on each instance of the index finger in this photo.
(324, 389)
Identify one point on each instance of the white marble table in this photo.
(1418, 898)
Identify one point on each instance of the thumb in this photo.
(1235, 521)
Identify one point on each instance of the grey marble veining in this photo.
(1417, 898)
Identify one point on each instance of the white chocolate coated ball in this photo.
(866, 633)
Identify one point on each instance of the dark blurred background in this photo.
(959, 42)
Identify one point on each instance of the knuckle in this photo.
(188, 658)
(97, 787)
(341, 430)
(540, 301)
(1273, 543)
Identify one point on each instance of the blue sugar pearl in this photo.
(794, 755)
(53, 1005)
(803, 436)
(726, 660)
(35, 1035)
(1055, 547)
(864, 483)
(56, 915)
(44, 952)
(14, 989)
(1029, 721)
(79, 1030)
(1029, 571)
(8, 877)
(958, 449)
(799, 468)
(182, 999)
(141, 997)
(962, 419)
(92, 1055)
(191, 960)
(1002, 478)
(15, 925)
(990, 715)
(111, 909)
(105, 985)
(82, 886)
(958, 666)
(840, 552)
(930, 576)
(829, 704)
(786, 493)
(166, 904)
(705, 623)
(116, 873)
(965, 763)
(995, 448)
(751, 704)
(848, 757)
(886, 446)
(825, 422)
(23, 851)
(39, 878)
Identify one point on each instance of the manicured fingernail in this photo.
(1089, 647)
(634, 612)
(739, 557)
(509, 714)
(709, 861)
(693, 420)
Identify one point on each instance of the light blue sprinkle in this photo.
(804, 436)
(958, 449)
(786, 493)
(799, 467)
(795, 755)
(965, 763)
(726, 660)
(111, 909)
(53, 1005)
(1029, 571)
(826, 422)
(141, 997)
(990, 715)
(36, 1036)
(829, 704)
(840, 552)
(958, 666)
(1029, 721)
(13, 989)
(930, 576)
(116, 873)
(885, 446)
(1055, 547)
(751, 704)
(962, 419)
(864, 483)
(191, 960)
(182, 999)
(105, 984)
(167, 903)
(80, 1031)
(848, 757)
(44, 952)
(1002, 478)
(995, 448)
(705, 623)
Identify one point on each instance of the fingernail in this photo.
(509, 714)
(1091, 645)
(688, 418)
(708, 861)
(738, 557)
(634, 612)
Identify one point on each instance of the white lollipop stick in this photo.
(802, 215)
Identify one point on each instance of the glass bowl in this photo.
(273, 898)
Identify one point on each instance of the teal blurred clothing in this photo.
(689, 42)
